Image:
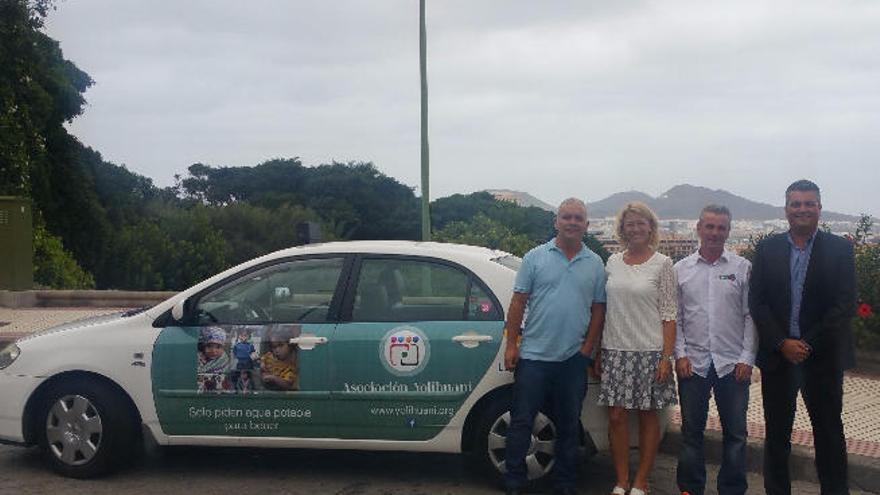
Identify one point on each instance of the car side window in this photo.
(409, 290)
(291, 292)
(481, 307)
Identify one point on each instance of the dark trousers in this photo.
(563, 386)
(822, 390)
(732, 400)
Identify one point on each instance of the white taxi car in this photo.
(376, 345)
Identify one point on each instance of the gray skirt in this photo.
(628, 381)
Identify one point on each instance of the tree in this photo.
(54, 266)
(483, 231)
(863, 228)
(250, 231)
(39, 91)
(749, 251)
(360, 201)
(535, 223)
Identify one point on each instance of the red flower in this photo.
(864, 310)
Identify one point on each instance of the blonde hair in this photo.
(642, 210)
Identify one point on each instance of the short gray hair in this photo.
(573, 201)
(716, 209)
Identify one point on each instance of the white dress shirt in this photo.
(714, 324)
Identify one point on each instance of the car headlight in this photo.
(9, 354)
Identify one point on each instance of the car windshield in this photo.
(509, 261)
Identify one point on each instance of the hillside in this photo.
(520, 198)
(682, 201)
(686, 201)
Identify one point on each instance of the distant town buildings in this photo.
(678, 237)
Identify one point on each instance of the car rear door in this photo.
(418, 335)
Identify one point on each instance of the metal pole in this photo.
(423, 69)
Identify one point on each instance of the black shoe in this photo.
(568, 490)
(512, 491)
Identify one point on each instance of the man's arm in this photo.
(770, 335)
(594, 329)
(682, 363)
(513, 328)
(844, 296)
(743, 368)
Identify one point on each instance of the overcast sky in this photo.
(556, 98)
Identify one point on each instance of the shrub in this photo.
(866, 325)
(54, 266)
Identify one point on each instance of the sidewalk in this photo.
(861, 425)
(17, 322)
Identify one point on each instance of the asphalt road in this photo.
(254, 471)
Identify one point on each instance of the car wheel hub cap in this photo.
(74, 430)
(540, 456)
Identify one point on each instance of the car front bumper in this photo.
(14, 390)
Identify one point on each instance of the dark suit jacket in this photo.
(827, 307)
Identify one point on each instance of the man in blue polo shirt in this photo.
(562, 284)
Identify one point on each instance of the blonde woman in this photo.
(638, 342)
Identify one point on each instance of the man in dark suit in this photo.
(802, 297)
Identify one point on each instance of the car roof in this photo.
(436, 249)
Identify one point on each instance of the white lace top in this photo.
(640, 298)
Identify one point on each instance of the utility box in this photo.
(16, 244)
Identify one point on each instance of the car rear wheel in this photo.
(492, 443)
(86, 428)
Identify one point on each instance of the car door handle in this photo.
(471, 339)
(308, 341)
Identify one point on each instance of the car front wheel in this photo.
(86, 428)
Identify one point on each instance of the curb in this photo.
(9, 337)
(864, 471)
(81, 298)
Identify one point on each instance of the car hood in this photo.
(90, 321)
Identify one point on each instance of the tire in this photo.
(492, 439)
(86, 428)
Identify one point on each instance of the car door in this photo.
(253, 358)
(419, 335)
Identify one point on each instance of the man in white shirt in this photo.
(715, 350)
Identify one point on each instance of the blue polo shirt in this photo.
(560, 295)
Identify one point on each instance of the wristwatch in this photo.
(669, 358)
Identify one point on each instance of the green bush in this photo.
(866, 325)
(54, 266)
(483, 231)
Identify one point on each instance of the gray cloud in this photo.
(555, 98)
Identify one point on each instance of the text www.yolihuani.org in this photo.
(410, 410)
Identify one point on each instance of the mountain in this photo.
(682, 201)
(685, 201)
(520, 198)
(609, 206)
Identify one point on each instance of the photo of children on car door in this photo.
(247, 358)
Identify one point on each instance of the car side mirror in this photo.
(178, 310)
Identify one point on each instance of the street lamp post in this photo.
(426, 198)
